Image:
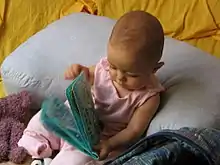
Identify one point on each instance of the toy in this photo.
(13, 111)
(45, 161)
(78, 125)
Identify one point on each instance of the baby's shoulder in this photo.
(103, 64)
(152, 89)
(101, 71)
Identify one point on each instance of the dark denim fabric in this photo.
(186, 146)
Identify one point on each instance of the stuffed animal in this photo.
(13, 113)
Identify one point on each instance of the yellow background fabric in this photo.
(20, 19)
(194, 21)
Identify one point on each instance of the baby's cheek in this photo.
(136, 83)
(112, 75)
(131, 82)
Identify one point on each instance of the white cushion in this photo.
(190, 75)
(38, 64)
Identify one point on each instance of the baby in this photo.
(125, 89)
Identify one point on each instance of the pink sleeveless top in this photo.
(113, 111)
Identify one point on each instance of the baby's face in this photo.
(128, 71)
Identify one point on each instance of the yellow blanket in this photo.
(194, 21)
(20, 19)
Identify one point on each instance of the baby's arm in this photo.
(75, 69)
(138, 124)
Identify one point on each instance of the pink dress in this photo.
(114, 112)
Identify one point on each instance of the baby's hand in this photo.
(74, 70)
(103, 148)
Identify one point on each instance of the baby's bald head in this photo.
(140, 35)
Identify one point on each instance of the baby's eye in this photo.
(132, 75)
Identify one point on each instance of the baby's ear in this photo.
(158, 66)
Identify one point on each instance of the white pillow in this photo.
(38, 65)
(190, 75)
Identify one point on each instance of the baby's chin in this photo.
(132, 88)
